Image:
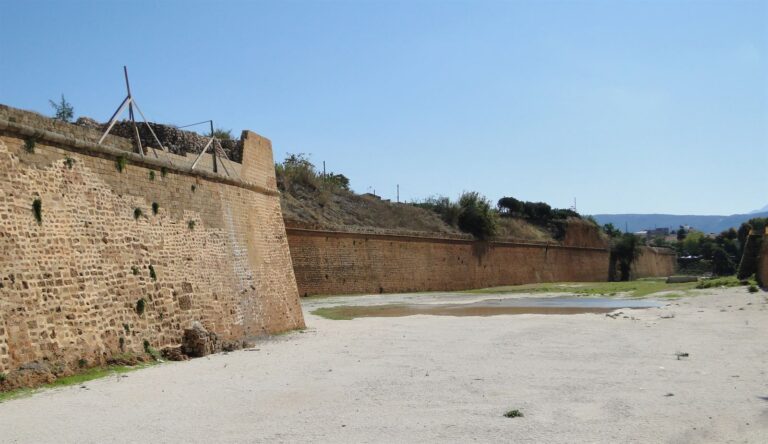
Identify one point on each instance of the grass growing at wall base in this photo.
(88, 375)
(638, 288)
(332, 313)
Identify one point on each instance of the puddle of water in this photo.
(488, 307)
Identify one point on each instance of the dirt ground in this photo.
(576, 378)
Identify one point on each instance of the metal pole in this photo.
(113, 119)
(213, 153)
(398, 193)
(130, 113)
(146, 122)
(199, 156)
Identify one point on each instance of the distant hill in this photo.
(707, 224)
(761, 210)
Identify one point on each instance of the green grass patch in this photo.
(638, 288)
(729, 281)
(514, 414)
(88, 375)
(334, 313)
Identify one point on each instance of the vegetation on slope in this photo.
(313, 199)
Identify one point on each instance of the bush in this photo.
(120, 163)
(447, 210)
(476, 216)
(141, 305)
(37, 210)
(29, 144)
(222, 134)
(296, 169)
(753, 289)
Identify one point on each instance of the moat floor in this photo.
(576, 378)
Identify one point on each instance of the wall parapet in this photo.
(94, 149)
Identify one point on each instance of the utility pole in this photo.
(398, 193)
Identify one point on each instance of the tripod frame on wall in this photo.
(130, 102)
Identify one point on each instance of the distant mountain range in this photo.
(761, 210)
(707, 224)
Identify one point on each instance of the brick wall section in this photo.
(69, 286)
(348, 263)
(654, 262)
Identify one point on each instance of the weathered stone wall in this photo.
(654, 262)
(215, 252)
(762, 264)
(347, 263)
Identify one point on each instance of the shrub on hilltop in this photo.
(472, 213)
(297, 170)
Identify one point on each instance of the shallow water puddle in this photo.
(488, 307)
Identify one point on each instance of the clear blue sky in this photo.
(629, 106)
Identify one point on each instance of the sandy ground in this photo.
(577, 378)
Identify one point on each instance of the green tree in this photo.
(511, 206)
(337, 181)
(625, 251)
(722, 264)
(692, 243)
(476, 216)
(611, 230)
(64, 110)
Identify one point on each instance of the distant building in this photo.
(658, 232)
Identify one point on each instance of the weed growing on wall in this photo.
(127, 328)
(151, 175)
(120, 163)
(37, 210)
(148, 349)
(122, 343)
(137, 213)
(82, 363)
(155, 208)
(2, 377)
(152, 273)
(29, 144)
(191, 225)
(163, 171)
(194, 187)
(69, 162)
(135, 270)
(141, 305)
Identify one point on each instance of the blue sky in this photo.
(628, 106)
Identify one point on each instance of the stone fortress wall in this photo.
(654, 262)
(115, 260)
(344, 262)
